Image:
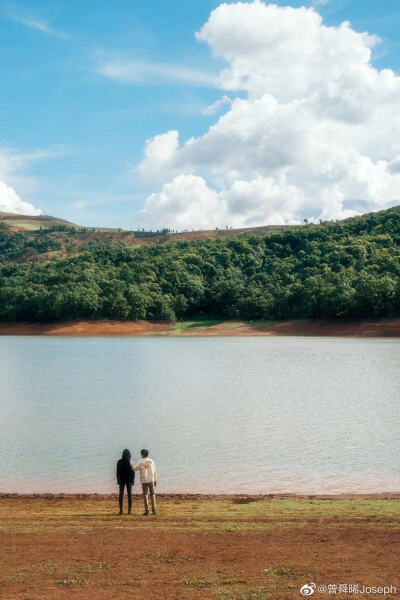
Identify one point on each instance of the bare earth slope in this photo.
(377, 328)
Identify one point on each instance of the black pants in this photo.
(122, 485)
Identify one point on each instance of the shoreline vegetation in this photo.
(196, 548)
(336, 271)
(208, 328)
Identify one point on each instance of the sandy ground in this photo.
(377, 328)
(222, 548)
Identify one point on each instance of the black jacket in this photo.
(125, 473)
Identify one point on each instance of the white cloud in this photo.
(318, 134)
(186, 202)
(283, 51)
(137, 72)
(212, 109)
(12, 165)
(12, 11)
(394, 165)
(41, 26)
(160, 150)
(262, 199)
(11, 202)
(12, 161)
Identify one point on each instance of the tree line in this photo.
(347, 269)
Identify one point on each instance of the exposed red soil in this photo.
(55, 548)
(86, 328)
(377, 328)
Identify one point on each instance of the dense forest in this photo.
(339, 270)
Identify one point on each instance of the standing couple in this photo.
(126, 477)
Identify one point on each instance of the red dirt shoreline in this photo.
(196, 548)
(187, 495)
(370, 328)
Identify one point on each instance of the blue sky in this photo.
(72, 133)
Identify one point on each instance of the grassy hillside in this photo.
(341, 270)
(32, 223)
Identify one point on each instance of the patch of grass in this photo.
(281, 571)
(92, 568)
(204, 581)
(68, 582)
(205, 323)
(262, 322)
(235, 325)
(137, 581)
(21, 576)
(198, 582)
(181, 326)
(252, 594)
(229, 581)
(226, 515)
(160, 557)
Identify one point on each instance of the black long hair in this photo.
(126, 455)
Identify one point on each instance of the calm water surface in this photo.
(218, 414)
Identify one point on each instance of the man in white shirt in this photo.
(148, 479)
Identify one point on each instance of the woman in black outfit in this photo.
(125, 477)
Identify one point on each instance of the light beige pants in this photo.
(149, 488)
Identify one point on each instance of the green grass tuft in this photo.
(281, 571)
(68, 582)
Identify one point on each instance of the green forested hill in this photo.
(347, 269)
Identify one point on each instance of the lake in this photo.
(254, 414)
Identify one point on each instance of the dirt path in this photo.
(196, 548)
(377, 328)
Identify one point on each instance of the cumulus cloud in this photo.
(11, 202)
(317, 134)
(262, 199)
(11, 163)
(161, 148)
(394, 165)
(284, 51)
(191, 202)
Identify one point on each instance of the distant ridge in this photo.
(35, 222)
(32, 222)
(16, 216)
(85, 233)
